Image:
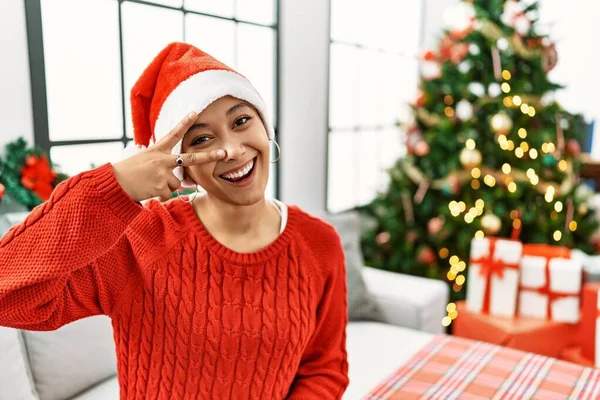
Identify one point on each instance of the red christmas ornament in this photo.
(549, 57)
(2, 190)
(38, 176)
(421, 99)
(414, 137)
(453, 51)
(435, 225)
(421, 148)
(411, 237)
(428, 55)
(573, 148)
(382, 238)
(426, 256)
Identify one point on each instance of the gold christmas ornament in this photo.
(491, 224)
(470, 158)
(501, 124)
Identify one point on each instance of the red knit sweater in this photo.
(192, 319)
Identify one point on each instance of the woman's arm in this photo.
(323, 370)
(70, 258)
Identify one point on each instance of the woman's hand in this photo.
(149, 173)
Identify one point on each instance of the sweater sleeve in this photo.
(70, 258)
(323, 370)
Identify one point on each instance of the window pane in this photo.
(342, 185)
(256, 60)
(172, 3)
(217, 7)
(369, 167)
(213, 35)
(343, 90)
(142, 41)
(369, 89)
(74, 159)
(401, 83)
(259, 11)
(83, 80)
(407, 17)
(395, 25)
(391, 146)
(345, 20)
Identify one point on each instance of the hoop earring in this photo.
(278, 151)
(192, 196)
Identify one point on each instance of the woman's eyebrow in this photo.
(229, 112)
(236, 107)
(198, 125)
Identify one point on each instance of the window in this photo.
(373, 74)
(86, 55)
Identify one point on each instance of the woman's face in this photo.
(236, 127)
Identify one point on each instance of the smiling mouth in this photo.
(241, 174)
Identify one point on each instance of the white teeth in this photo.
(241, 172)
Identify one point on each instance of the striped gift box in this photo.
(456, 368)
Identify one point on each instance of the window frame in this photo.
(37, 70)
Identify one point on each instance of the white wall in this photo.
(304, 53)
(16, 118)
(575, 29)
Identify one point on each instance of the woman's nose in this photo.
(234, 148)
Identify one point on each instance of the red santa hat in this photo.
(183, 78)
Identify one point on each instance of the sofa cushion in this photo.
(73, 358)
(361, 305)
(107, 390)
(15, 377)
(375, 351)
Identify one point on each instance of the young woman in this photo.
(219, 295)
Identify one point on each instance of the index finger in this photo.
(176, 134)
(199, 157)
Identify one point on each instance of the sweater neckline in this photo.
(224, 252)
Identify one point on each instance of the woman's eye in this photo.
(200, 140)
(242, 121)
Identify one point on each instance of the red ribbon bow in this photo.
(490, 266)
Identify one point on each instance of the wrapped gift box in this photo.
(550, 283)
(590, 322)
(591, 265)
(493, 277)
(529, 334)
(575, 355)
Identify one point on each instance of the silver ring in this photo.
(179, 160)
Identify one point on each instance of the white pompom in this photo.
(431, 70)
(476, 88)
(474, 49)
(522, 25)
(494, 89)
(465, 66)
(464, 110)
(459, 17)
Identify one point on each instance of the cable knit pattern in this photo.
(192, 319)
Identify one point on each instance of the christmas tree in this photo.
(489, 151)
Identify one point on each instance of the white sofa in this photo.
(78, 361)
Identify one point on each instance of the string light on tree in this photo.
(491, 224)
(501, 124)
(470, 158)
